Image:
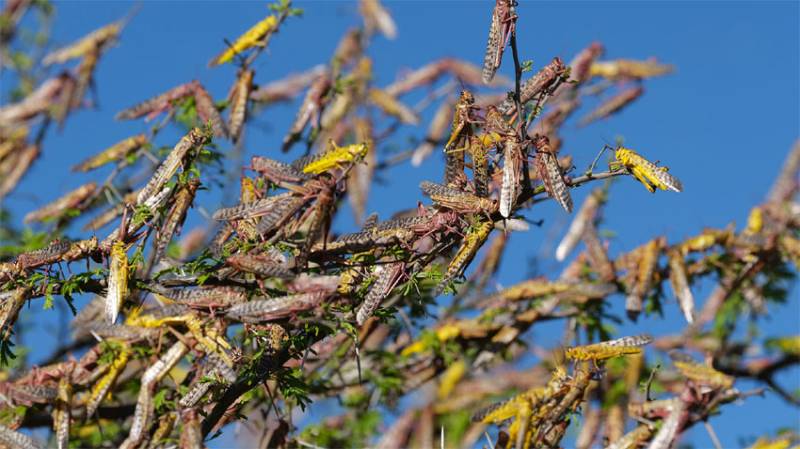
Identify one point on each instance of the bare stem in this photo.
(517, 79)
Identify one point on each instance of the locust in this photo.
(629, 69)
(505, 410)
(16, 393)
(377, 18)
(261, 310)
(18, 440)
(550, 173)
(257, 36)
(702, 374)
(348, 50)
(528, 409)
(101, 388)
(513, 158)
(583, 219)
(12, 140)
(359, 178)
(117, 281)
(84, 81)
(496, 126)
(320, 221)
(67, 98)
(332, 158)
(503, 26)
(645, 270)
(613, 105)
(466, 252)
(679, 281)
(120, 332)
(116, 152)
(150, 205)
(259, 264)
(282, 211)
(670, 427)
(91, 42)
(258, 208)
(384, 234)
(62, 411)
(175, 218)
(58, 208)
(545, 80)
(238, 99)
(195, 394)
(386, 278)
(580, 70)
(436, 132)
(191, 431)
(450, 379)
(608, 349)
(427, 74)
(648, 173)
(37, 102)
(460, 131)
(457, 200)
(52, 253)
(194, 139)
(491, 261)
(633, 439)
(480, 166)
(392, 107)
(247, 228)
(287, 88)
(706, 240)
(216, 296)
(207, 112)
(310, 110)
(208, 337)
(166, 423)
(217, 365)
(554, 416)
(598, 254)
(16, 168)
(341, 105)
(158, 104)
(277, 172)
(532, 289)
(650, 409)
(143, 414)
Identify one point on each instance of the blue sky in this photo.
(723, 122)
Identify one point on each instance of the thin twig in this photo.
(712, 434)
(517, 79)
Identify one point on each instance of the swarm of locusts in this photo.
(190, 319)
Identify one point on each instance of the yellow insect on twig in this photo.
(117, 281)
(469, 248)
(335, 157)
(445, 333)
(450, 378)
(608, 349)
(257, 36)
(104, 384)
(700, 373)
(648, 173)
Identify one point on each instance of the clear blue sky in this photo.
(723, 122)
